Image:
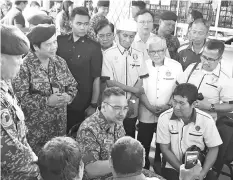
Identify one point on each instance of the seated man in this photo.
(212, 80)
(127, 160)
(60, 159)
(99, 132)
(184, 126)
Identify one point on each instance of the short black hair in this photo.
(186, 90)
(34, 3)
(103, 23)
(60, 159)
(127, 156)
(79, 11)
(19, 2)
(214, 44)
(196, 14)
(112, 91)
(202, 21)
(140, 4)
(144, 11)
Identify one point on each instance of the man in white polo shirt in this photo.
(145, 19)
(212, 80)
(184, 126)
(163, 74)
(124, 67)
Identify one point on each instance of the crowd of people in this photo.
(82, 99)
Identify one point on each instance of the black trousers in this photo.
(145, 136)
(172, 174)
(129, 126)
(74, 117)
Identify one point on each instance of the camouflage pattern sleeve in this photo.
(70, 82)
(22, 89)
(17, 157)
(89, 145)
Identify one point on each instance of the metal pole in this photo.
(217, 16)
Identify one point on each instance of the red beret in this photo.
(168, 15)
(13, 41)
(41, 33)
(40, 19)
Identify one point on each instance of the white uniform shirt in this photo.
(216, 86)
(159, 86)
(200, 131)
(139, 44)
(124, 66)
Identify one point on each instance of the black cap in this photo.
(40, 19)
(104, 3)
(13, 41)
(168, 15)
(41, 33)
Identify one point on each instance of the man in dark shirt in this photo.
(84, 59)
(191, 52)
(15, 16)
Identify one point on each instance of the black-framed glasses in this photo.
(156, 52)
(209, 59)
(118, 108)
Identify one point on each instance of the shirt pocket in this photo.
(196, 138)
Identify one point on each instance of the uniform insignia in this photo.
(184, 59)
(197, 128)
(108, 141)
(6, 120)
(135, 56)
(168, 73)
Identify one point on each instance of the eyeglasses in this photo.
(156, 52)
(209, 59)
(84, 24)
(102, 36)
(145, 22)
(200, 33)
(118, 108)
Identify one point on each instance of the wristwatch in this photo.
(94, 105)
(212, 108)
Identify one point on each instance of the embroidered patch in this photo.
(135, 56)
(197, 128)
(184, 59)
(6, 120)
(168, 73)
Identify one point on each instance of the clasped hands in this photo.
(58, 99)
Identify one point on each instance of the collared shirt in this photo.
(159, 86)
(33, 86)
(16, 154)
(13, 17)
(216, 86)
(124, 66)
(200, 131)
(140, 45)
(188, 56)
(96, 137)
(172, 44)
(84, 59)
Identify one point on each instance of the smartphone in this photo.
(191, 159)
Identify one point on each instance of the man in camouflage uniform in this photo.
(100, 131)
(166, 28)
(16, 154)
(44, 86)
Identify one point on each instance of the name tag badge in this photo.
(108, 141)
